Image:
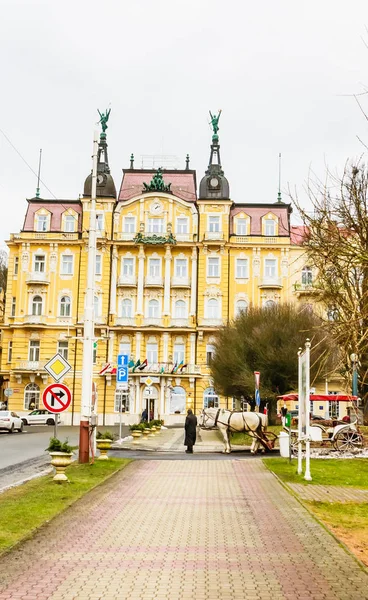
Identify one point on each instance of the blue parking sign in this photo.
(122, 371)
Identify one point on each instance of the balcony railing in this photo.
(29, 365)
(270, 282)
(304, 288)
(184, 237)
(38, 277)
(125, 236)
(180, 282)
(214, 235)
(168, 369)
(260, 240)
(210, 322)
(156, 321)
(127, 321)
(35, 319)
(180, 322)
(127, 280)
(154, 281)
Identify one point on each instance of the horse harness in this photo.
(228, 426)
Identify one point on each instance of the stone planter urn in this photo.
(153, 431)
(60, 460)
(103, 445)
(136, 434)
(146, 433)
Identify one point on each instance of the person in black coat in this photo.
(190, 431)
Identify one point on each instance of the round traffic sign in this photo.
(8, 392)
(56, 397)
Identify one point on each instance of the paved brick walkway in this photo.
(329, 493)
(201, 530)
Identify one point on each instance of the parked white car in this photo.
(41, 417)
(10, 421)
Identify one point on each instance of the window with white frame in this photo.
(213, 224)
(153, 309)
(155, 225)
(154, 267)
(180, 309)
(67, 264)
(181, 267)
(124, 348)
(65, 306)
(122, 401)
(270, 267)
(152, 352)
(13, 307)
(99, 223)
(34, 351)
(210, 398)
(10, 351)
(210, 353)
(98, 266)
(213, 266)
(241, 307)
(63, 347)
(128, 267)
(241, 268)
(69, 223)
(96, 306)
(126, 308)
(213, 308)
(129, 224)
(241, 226)
(181, 225)
(270, 227)
(333, 409)
(177, 400)
(179, 353)
(39, 263)
(37, 306)
(307, 276)
(41, 222)
(16, 265)
(31, 396)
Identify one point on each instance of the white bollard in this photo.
(284, 444)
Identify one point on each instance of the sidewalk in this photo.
(184, 530)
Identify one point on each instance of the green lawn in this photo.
(347, 473)
(25, 508)
(242, 439)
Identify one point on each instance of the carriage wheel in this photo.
(294, 443)
(348, 441)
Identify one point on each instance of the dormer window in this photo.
(270, 227)
(69, 223)
(41, 223)
(241, 226)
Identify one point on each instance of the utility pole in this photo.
(89, 320)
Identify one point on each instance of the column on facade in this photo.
(165, 348)
(111, 343)
(114, 269)
(167, 280)
(138, 397)
(140, 280)
(138, 339)
(162, 397)
(193, 293)
(192, 348)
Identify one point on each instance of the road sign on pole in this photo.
(56, 397)
(57, 367)
(123, 360)
(122, 371)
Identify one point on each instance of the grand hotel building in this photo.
(174, 262)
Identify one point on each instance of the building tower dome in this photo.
(105, 183)
(214, 184)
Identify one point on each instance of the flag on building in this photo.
(106, 369)
(180, 366)
(143, 365)
(162, 370)
(136, 365)
(183, 367)
(131, 364)
(174, 368)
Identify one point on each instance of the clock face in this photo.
(214, 182)
(100, 179)
(156, 207)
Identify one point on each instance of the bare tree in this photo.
(335, 241)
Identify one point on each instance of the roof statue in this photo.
(157, 184)
(104, 117)
(214, 123)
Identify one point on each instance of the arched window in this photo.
(96, 306)
(180, 309)
(270, 304)
(153, 309)
(212, 308)
(65, 306)
(177, 400)
(241, 307)
(37, 305)
(31, 396)
(126, 308)
(210, 398)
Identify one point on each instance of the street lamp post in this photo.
(354, 384)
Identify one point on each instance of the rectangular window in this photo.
(99, 223)
(307, 276)
(13, 306)
(181, 267)
(270, 227)
(128, 267)
(129, 225)
(154, 267)
(179, 350)
(181, 225)
(34, 351)
(98, 270)
(41, 223)
(152, 353)
(241, 268)
(69, 222)
(333, 409)
(66, 264)
(63, 349)
(10, 351)
(16, 265)
(155, 225)
(124, 348)
(270, 267)
(214, 224)
(39, 263)
(213, 267)
(241, 227)
(121, 402)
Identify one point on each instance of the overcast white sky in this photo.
(281, 70)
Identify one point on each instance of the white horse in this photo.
(227, 421)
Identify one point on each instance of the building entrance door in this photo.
(150, 401)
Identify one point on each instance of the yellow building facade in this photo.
(173, 264)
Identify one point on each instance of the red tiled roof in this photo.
(183, 184)
(297, 234)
